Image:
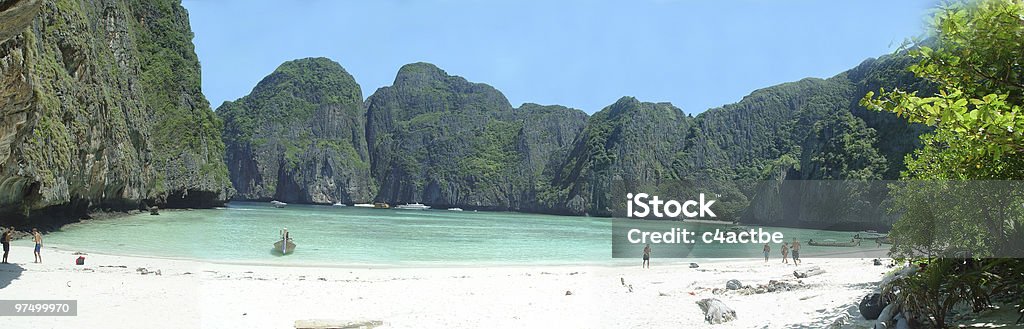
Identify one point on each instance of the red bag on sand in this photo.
(80, 260)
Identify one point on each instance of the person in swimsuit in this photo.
(647, 256)
(796, 252)
(38, 238)
(785, 253)
(5, 238)
(767, 249)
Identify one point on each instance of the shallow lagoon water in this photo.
(350, 236)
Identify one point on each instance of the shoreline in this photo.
(525, 212)
(137, 290)
(622, 262)
(610, 263)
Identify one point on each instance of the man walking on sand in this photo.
(647, 257)
(38, 238)
(796, 252)
(785, 253)
(767, 249)
(5, 239)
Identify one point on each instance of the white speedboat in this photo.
(339, 204)
(278, 204)
(413, 206)
(363, 205)
(454, 209)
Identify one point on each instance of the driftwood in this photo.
(337, 324)
(812, 271)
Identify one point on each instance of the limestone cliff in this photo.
(299, 136)
(627, 143)
(442, 140)
(102, 110)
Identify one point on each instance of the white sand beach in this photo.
(113, 292)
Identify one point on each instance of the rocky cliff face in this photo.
(102, 109)
(811, 129)
(628, 143)
(548, 135)
(299, 136)
(444, 141)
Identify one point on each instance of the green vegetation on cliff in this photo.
(629, 142)
(442, 140)
(811, 129)
(186, 145)
(106, 112)
(299, 136)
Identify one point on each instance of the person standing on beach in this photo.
(647, 257)
(796, 252)
(767, 249)
(38, 238)
(785, 253)
(5, 239)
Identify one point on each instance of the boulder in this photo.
(871, 306)
(715, 311)
(733, 284)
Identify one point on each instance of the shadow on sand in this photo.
(9, 273)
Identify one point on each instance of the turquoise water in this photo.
(326, 235)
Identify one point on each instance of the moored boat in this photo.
(284, 248)
(454, 209)
(413, 206)
(278, 204)
(738, 229)
(363, 205)
(834, 243)
(869, 234)
(285, 245)
(381, 205)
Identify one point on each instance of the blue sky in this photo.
(582, 54)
